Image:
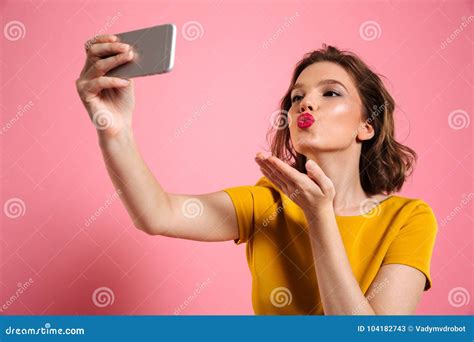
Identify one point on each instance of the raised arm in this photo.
(110, 102)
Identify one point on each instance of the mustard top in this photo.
(398, 230)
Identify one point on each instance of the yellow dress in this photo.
(398, 230)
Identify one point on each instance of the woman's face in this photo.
(336, 108)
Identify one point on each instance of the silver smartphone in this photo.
(153, 51)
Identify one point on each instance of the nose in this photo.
(305, 105)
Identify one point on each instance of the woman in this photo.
(325, 232)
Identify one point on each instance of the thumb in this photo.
(315, 172)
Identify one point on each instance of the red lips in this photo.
(305, 120)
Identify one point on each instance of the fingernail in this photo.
(124, 81)
(310, 164)
(130, 53)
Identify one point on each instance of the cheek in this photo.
(342, 111)
(334, 120)
(342, 116)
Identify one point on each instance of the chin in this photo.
(305, 144)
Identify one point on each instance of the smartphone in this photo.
(153, 51)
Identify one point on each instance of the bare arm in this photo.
(205, 217)
(110, 102)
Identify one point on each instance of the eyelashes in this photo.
(293, 99)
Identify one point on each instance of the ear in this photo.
(365, 131)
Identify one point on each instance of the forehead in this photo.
(326, 70)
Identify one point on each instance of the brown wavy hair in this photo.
(384, 163)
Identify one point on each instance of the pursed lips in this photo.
(305, 120)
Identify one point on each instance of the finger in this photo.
(317, 174)
(292, 176)
(272, 174)
(275, 180)
(271, 170)
(95, 85)
(107, 49)
(104, 38)
(262, 160)
(102, 66)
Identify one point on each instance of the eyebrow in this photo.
(327, 81)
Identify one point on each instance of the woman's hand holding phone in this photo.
(110, 101)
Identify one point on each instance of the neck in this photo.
(342, 167)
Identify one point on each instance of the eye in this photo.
(330, 91)
(293, 99)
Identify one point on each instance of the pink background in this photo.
(240, 66)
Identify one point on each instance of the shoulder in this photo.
(260, 195)
(411, 205)
(414, 211)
